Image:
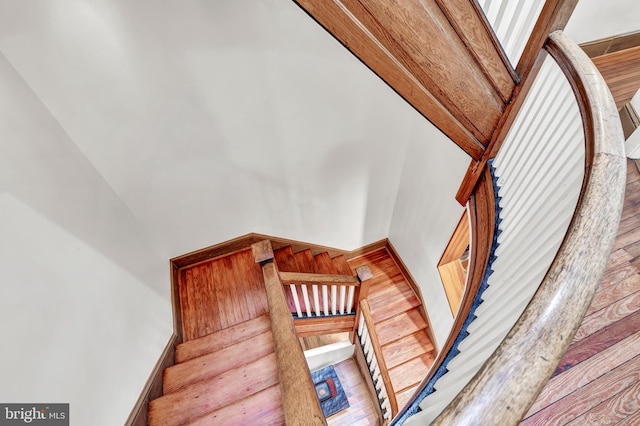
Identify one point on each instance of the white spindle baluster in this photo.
(350, 299)
(316, 299)
(325, 299)
(296, 301)
(305, 296)
(342, 299)
(334, 299)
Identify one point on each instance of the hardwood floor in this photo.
(621, 71)
(221, 293)
(361, 410)
(598, 380)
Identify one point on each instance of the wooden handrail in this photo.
(508, 383)
(482, 225)
(327, 279)
(377, 350)
(301, 405)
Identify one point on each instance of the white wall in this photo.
(596, 19)
(138, 131)
(85, 307)
(215, 119)
(426, 214)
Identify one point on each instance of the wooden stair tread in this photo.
(208, 395)
(402, 398)
(264, 407)
(399, 326)
(306, 262)
(325, 264)
(342, 266)
(285, 260)
(216, 363)
(220, 339)
(393, 307)
(388, 290)
(406, 348)
(410, 373)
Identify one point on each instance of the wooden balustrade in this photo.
(375, 361)
(301, 405)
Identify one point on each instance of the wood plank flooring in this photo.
(621, 71)
(361, 410)
(221, 293)
(598, 380)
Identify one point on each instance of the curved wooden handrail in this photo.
(508, 383)
(482, 224)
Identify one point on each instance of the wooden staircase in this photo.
(226, 372)
(399, 323)
(228, 377)
(396, 310)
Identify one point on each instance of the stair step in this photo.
(220, 339)
(385, 305)
(411, 373)
(325, 265)
(285, 260)
(306, 262)
(208, 395)
(381, 294)
(402, 350)
(402, 398)
(399, 326)
(216, 363)
(264, 407)
(342, 266)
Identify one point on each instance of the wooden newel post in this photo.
(364, 275)
(301, 405)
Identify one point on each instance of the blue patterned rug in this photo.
(329, 390)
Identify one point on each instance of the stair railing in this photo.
(510, 369)
(301, 405)
(330, 295)
(372, 351)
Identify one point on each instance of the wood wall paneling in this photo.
(446, 65)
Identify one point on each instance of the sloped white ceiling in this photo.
(212, 119)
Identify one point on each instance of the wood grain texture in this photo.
(621, 71)
(301, 404)
(220, 293)
(598, 341)
(205, 396)
(475, 32)
(361, 409)
(216, 363)
(261, 408)
(397, 55)
(221, 339)
(586, 372)
(588, 396)
(553, 17)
